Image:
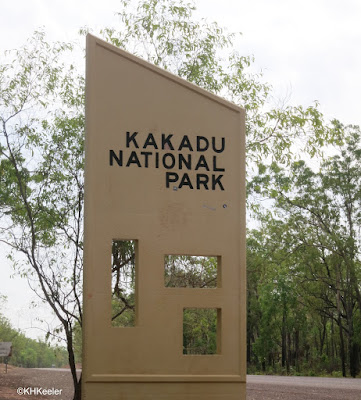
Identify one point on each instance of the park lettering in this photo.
(171, 153)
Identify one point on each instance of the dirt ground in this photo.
(258, 387)
(34, 378)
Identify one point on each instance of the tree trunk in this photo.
(297, 350)
(248, 348)
(323, 335)
(249, 330)
(332, 341)
(283, 333)
(77, 390)
(354, 360)
(342, 347)
(71, 357)
(289, 353)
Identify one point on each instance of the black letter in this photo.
(146, 155)
(206, 145)
(202, 163)
(215, 165)
(182, 160)
(217, 181)
(133, 159)
(112, 156)
(185, 143)
(202, 179)
(150, 141)
(172, 161)
(170, 177)
(214, 145)
(132, 139)
(166, 143)
(185, 182)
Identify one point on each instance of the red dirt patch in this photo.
(34, 378)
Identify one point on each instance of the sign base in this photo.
(166, 391)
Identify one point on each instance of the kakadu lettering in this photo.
(198, 154)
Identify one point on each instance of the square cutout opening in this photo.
(184, 271)
(124, 283)
(201, 331)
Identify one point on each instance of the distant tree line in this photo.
(304, 265)
(30, 353)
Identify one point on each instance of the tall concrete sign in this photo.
(165, 171)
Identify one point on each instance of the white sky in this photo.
(308, 50)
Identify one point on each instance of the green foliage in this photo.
(78, 343)
(199, 331)
(166, 34)
(123, 312)
(41, 178)
(30, 353)
(123, 283)
(190, 271)
(315, 228)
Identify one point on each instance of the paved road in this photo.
(261, 387)
(264, 387)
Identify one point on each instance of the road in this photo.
(265, 387)
(259, 387)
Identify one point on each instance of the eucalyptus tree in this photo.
(166, 33)
(41, 177)
(322, 210)
(277, 320)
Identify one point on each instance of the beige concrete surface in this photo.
(165, 167)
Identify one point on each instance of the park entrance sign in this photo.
(165, 173)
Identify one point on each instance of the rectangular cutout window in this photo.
(124, 279)
(192, 271)
(201, 331)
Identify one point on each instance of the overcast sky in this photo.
(308, 50)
